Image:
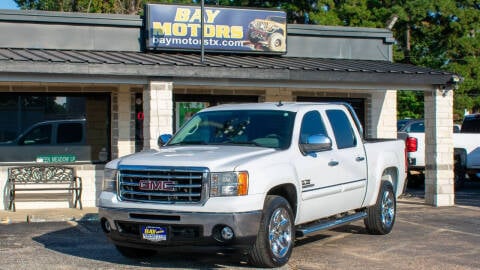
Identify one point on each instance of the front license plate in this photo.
(154, 233)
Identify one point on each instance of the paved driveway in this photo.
(424, 237)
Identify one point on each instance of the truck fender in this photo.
(276, 179)
(386, 169)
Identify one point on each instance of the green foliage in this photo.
(410, 104)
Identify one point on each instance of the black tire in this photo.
(459, 181)
(459, 172)
(381, 216)
(276, 235)
(473, 177)
(415, 180)
(135, 253)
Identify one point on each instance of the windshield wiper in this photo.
(247, 143)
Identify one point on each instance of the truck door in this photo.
(318, 176)
(350, 158)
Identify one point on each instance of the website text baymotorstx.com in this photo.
(169, 41)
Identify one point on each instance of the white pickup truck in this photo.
(466, 148)
(253, 177)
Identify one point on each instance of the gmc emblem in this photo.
(156, 185)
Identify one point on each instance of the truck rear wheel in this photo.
(381, 216)
(275, 238)
(134, 253)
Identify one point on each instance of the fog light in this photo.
(227, 233)
(223, 233)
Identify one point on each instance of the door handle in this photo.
(332, 163)
(359, 159)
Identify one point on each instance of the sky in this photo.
(8, 4)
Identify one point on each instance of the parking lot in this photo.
(424, 237)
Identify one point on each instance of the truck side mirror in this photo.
(163, 139)
(316, 143)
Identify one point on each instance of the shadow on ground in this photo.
(90, 243)
(468, 195)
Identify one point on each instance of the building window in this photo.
(185, 105)
(139, 117)
(41, 127)
(185, 111)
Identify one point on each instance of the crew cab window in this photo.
(342, 129)
(70, 133)
(312, 124)
(38, 135)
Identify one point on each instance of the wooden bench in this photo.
(26, 182)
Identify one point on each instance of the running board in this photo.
(330, 224)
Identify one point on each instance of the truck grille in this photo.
(162, 184)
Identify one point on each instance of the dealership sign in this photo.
(173, 27)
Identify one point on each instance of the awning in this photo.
(139, 67)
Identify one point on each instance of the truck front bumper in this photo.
(125, 227)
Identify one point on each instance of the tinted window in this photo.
(312, 124)
(342, 129)
(69, 133)
(471, 124)
(38, 135)
(401, 124)
(416, 127)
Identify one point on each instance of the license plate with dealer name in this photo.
(154, 233)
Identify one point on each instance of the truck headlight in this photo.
(228, 184)
(109, 180)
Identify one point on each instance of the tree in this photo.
(442, 34)
(93, 6)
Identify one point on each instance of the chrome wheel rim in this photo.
(388, 208)
(280, 233)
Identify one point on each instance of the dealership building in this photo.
(120, 83)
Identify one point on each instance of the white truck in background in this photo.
(253, 177)
(466, 149)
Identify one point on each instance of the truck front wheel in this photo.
(275, 238)
(381, 216)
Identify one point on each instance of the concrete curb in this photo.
(49, 215)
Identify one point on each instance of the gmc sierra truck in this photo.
(253, 177)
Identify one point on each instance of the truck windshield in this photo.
(263, 128)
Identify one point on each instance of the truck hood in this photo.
(216, 158)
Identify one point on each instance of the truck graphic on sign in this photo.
(268, 33)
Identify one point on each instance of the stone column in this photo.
(158, 110)
(382, 115)
(126, 140)
(439, 183)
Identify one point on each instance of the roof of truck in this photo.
(281, 106)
